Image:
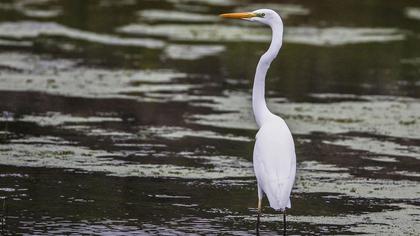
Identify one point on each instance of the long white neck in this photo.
(259, 105)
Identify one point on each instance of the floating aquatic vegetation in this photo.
(15, 43)
(32, 29)
(340, 35)
(301, 35)
(33, 8)
(313, 179)
(205, 33)
(55, 119)
(413, 13)
(379, 147)
(52, 76)
(382, 159)
(179, 51)
(171, 132)
(374, 114)
(399, 221)
(35, 64)
(41, 13)
(7, 190)
(407, 173)
(411, 61)
(171, 129)
(168, 15)
(56, 153)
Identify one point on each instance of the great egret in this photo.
(274, 151)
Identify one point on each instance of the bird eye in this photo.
(262, 14)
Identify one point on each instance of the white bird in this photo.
(274, 151)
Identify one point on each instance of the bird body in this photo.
(274, 156)
(274, 151)
(275, 162)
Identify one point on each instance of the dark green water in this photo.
(134, 117)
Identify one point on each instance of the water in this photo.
(134, 117)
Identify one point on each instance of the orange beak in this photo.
(240, 15)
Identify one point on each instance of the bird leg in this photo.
(258, 216)
(284, 222)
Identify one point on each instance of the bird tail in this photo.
(278, 196)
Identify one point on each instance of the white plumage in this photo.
(274, 151)
(275, 163)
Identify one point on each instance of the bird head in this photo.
(264, 16)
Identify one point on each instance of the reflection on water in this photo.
(141, 123)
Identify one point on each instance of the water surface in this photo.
(134, 117)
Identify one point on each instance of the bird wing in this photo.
(275, 163)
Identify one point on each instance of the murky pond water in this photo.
(134, 117)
